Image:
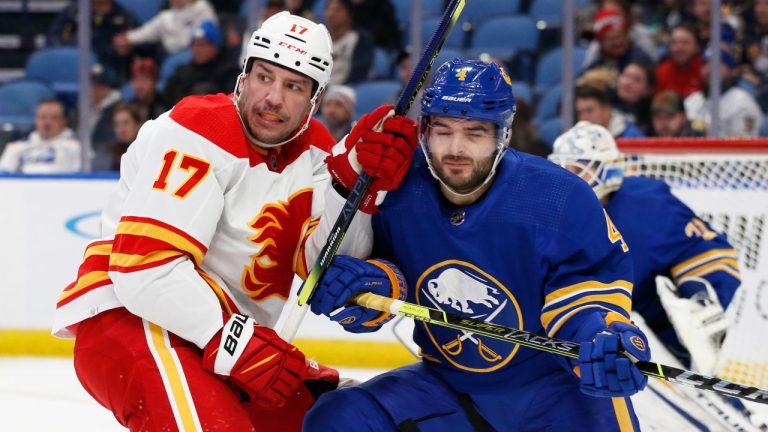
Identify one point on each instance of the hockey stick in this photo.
(552, 345)
(340, 227)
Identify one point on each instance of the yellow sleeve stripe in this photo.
(622, 301)
(86, 281)
(702, 258)
(128, 261)
(727, 265)
(579, 288)
(98, 249)
(564, 319)
(173, 237)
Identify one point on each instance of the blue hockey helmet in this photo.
(474, 90)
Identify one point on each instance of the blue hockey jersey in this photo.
(666, 238)
(535, 252)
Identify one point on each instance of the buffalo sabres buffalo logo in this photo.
(462, 288)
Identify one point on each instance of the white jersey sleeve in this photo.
(165, 216)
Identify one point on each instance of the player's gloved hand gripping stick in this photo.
(555, 346)
(358, 191)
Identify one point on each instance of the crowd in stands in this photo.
(642, 67)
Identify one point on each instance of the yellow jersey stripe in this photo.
(583, 287)
(145, 229)
(713, 269)
(99, 249)
(729, 265)
(129, 260)
(218, 290)
(701, 259)
(178, 395)
(84, 282)
(610, 318)
(620, 300)
(622, 414)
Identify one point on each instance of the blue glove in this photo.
(348, 276)
(605, 372)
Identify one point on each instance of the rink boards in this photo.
(45, 224)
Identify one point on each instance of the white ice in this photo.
(43, 394)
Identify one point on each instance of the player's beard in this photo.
(466, 184)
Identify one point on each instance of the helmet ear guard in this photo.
(591, 149)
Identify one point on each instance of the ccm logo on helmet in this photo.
(292, 47)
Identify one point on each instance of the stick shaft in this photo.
(553, 345)
(340, 227)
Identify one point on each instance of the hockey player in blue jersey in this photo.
(667, 239)
(493, 234)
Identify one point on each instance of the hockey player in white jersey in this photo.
(220, 202)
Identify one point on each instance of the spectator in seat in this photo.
(272, 7)
(681, 72)
(126, 121)
(525, 137)
(51, 148)
(352, 47)
(378, 17)
(616, 48)
(669, 119)
(640, 34)
(740, 115)
(210, 70)
(108, 19)
(595, 105)
(171, 28)
(338, 110)
(147, 100)
(755, 66)
(634, 91)
(104, 97)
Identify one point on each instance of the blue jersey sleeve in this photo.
(589, 282)
(695, 250)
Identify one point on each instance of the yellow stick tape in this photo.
(331, 352)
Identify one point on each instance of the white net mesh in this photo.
(726, 184)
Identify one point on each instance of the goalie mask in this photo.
(467, 90)
(589, 151)
(296, 44)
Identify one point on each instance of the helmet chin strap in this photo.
(488, 177)
(247, 132)
(500, 149)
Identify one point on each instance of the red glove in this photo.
(320, 379)
(384, 155)
(254, 357)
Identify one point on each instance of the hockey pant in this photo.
(153, 380)
(413, 398)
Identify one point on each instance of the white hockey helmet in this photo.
(294, 43)
(590, 151)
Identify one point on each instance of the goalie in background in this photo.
(666, 238)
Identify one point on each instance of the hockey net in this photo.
(725, 181)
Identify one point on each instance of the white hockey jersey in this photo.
(203, 223)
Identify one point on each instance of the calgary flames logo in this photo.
(279, 228)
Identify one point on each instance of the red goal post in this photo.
(725, 181)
